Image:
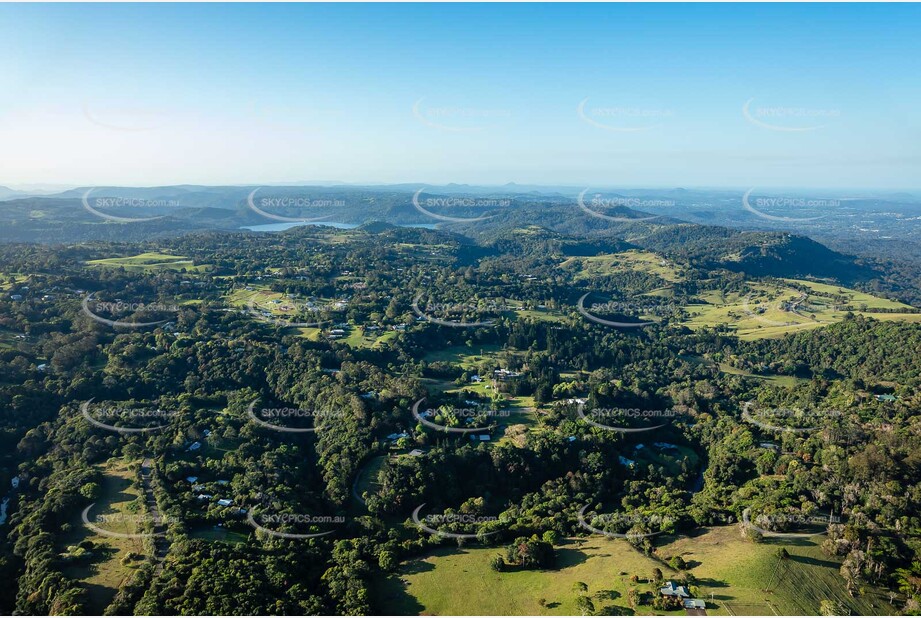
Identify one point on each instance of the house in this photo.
(571, 438)
(225, 502)
(671, 590)
(205, 496)
(476, 379)
(397, 436)
(15, 296)
(886, 398)
(416, 452)
(194, 446)
(42, 367)
(191, 479)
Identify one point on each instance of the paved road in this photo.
(161, 543)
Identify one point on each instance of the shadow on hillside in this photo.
(814, 561)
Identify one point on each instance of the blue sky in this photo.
(823, 96)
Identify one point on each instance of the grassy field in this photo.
(367, 481)
(735, 577)
(769, 311)
(150, 262)
(280, 307)
(632, 261)
(785, 381)
(103, 572)
(461, 355)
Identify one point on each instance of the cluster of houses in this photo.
(499, 375)
(207, 497)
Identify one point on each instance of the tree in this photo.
(497, 563)
(585, 606)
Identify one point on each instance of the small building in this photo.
(626, 462)
(191, 479)
(887, 397)
(204, 496)
(671, 590)
(695, 604)
(194, 446)
(416, 452)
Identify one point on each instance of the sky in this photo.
(655, 95)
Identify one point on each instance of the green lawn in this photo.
(742, 577)
(759, 313)
(103, 572)
(587, 268)
(151, 262)
(461, 355)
